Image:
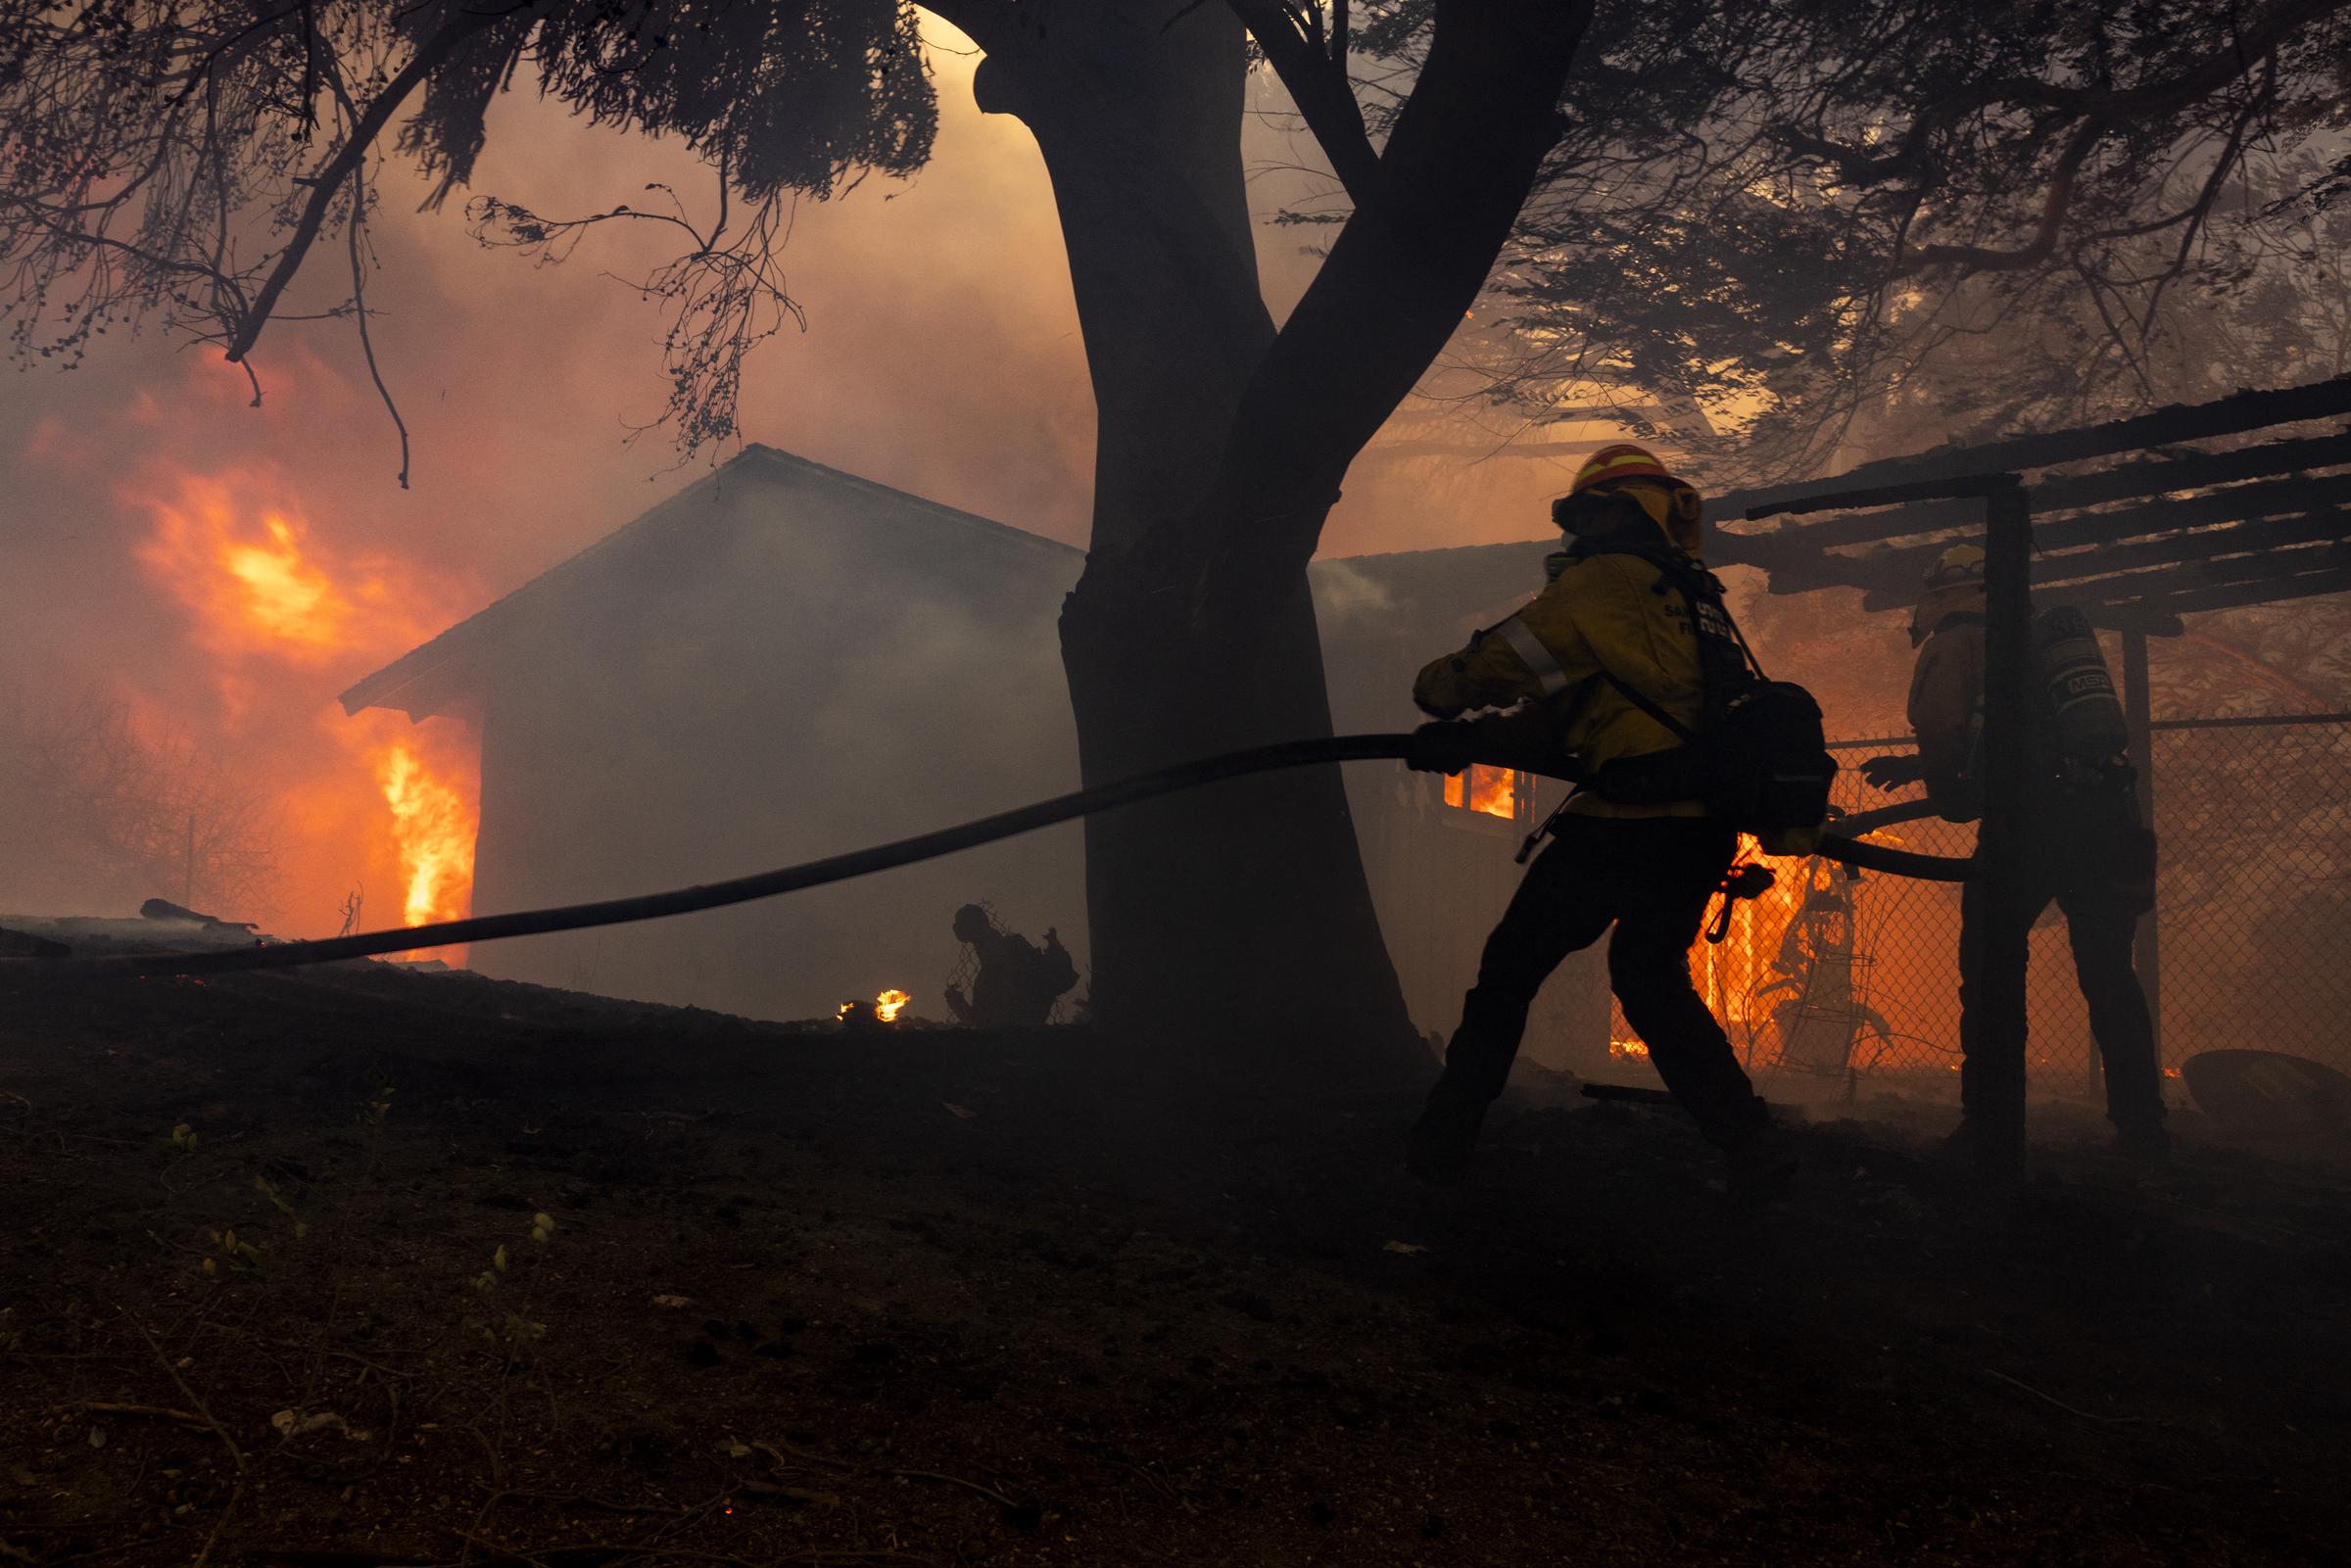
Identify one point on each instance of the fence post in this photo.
(2138, 709)
(2002, 947)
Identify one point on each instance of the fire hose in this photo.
(1840, 848)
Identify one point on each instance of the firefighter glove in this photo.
(1445, 747)
(1893, 771)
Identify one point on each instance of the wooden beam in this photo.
(2224, 417)
(1785, 548)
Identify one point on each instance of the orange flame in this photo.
(1492, 791)
(435, 831)
(1728, 973)
(1620, 1049)
(887, 1005)
(283, 619)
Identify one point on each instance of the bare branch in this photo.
(330, 179)
(2054, 203)
(1317, 84)
(358, 306)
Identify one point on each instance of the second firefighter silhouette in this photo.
(2085, 847)
(1006, 980)
(1622, 674)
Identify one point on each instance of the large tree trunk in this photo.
(1236, 921)
(1233, 922)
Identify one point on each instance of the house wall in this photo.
(807, 672)
(804, 668)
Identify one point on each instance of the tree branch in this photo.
(359, 307)
(328, 182)
(1460, 161)
(2101, 112)
(2054, 203)
(1318, 84)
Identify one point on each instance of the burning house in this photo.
(786, 661)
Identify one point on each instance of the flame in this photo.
(1621, 1049)
(280, 619)
(1728, 973)
(1492, 791)
(435, 828)
(887, 1005)
(246, 561)
(842, 1012)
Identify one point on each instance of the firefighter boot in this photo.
(1441, 1140)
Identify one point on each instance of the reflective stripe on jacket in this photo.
(1609, 611)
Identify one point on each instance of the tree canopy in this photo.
(1785, 214)
(179, 160)
(1761, 222)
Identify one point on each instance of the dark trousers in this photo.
(2100, 920)
(1652, 878)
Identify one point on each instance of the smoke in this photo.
(221, 571)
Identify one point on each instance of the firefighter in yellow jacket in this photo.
(1649, 870)
(2085, 848)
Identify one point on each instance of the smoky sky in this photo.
(941, 356)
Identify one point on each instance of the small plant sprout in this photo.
(183, 1139)
(543, 1227)
(505, 1331)
(277, 1201)
(243, 1257)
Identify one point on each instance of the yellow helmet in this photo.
(1961, 563)
(1634, 473)
(1613, 465)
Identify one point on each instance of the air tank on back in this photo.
(2089, 715)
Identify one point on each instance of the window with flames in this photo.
(1502, 792)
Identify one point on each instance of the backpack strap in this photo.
(1640, 699)
(1693, 583)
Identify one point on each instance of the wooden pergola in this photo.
(2240, 501)
(2202, 513)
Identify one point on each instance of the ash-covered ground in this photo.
(456, 1271)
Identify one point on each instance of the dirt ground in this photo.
(439, 1270)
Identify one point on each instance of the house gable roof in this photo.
(431, 678)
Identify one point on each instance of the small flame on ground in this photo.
(887, 1005)
(1621, 1049)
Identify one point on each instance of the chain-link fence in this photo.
(1847, 978)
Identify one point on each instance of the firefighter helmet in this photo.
(1613, 465)
(1961, 563)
